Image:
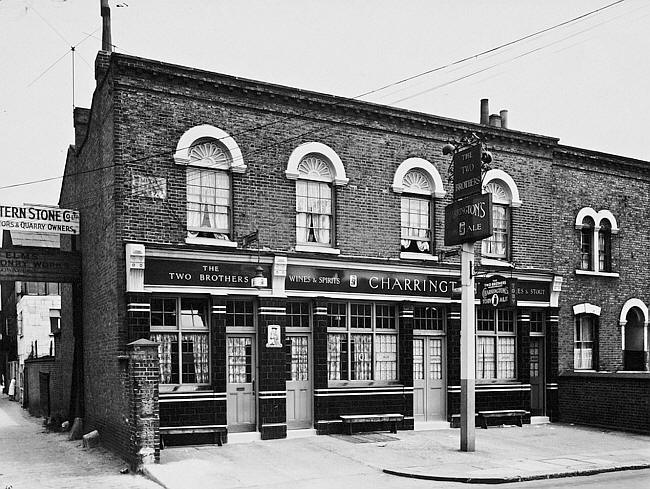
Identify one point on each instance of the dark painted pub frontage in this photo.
(325, 338)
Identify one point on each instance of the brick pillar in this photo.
(453, 362)
(405, 355)
(144, 422)
(272, 357)
(319, 326)
(138, 310)
(552, 330)
(218, 359)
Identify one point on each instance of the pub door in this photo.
(429, 391)
(299, 388)
(240, 388)
(537, 377)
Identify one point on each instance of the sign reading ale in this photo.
(468, 220)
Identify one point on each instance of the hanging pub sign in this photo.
(467, 172)
(42, 219)
(468, 220)
(498, 291)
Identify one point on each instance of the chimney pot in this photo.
(495, 120)
(504, 118)
(485, 111)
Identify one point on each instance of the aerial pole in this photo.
(107, 44)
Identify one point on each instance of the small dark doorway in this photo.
(634, 355)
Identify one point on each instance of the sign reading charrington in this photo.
(39, 218)
(368, 282)
(159, 271)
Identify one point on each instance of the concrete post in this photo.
(467, 351)
(143, 376)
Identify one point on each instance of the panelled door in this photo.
(299, 397)
(240, 389)
(429, 396)
(537, 378)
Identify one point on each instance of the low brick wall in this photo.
(610, 400)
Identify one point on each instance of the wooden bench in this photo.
(518, 414)
(391, 419)
(218, 431)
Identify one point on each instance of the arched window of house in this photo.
(318, 170)
(605, 246)
(419, 184)
(211, 156)
(585, 337)
(596, 231)
(634, 335)
(505, 196)
(587, 244)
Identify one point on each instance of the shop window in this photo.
(298, 314)
(429, 317)
(318, 170)
(211, 156)
(361, 342)
(495, 344)
(537, 321)
(180, 327)
(505, 196)
(584, 342)
(418, 182)
(239, 314)
(596, 232)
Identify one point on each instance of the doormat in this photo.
(366, 438)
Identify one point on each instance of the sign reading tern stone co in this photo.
(41, 219)
(468, 220)
(467, 172)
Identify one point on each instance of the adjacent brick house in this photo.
(172, 166)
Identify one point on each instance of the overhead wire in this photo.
(304, 113)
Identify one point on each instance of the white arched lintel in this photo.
(319, 148)
(507, 180)
(586, 308)
(597, 217)
(629, 304)
(181, 156)
(422, 164)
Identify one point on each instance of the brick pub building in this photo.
(172, 166)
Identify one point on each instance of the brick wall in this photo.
(614, 401)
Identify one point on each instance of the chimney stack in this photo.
(485, 112)
(495, 120)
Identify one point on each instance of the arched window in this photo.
(596, 230)
(211, 156)
(317, 170)
(505, 196)
(314, 209)
(416, 213)
(419, 183)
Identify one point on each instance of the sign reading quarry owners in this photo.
(39, 218)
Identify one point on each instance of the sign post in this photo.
(467, 219)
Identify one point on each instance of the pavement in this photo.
(32, 457)
(502, 455)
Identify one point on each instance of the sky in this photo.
(584, 81)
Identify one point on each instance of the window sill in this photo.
(318, 249)
(494, 262)
(591, 273)
(342, 384)
(407, 255)
(211, 242)
(183, 388)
